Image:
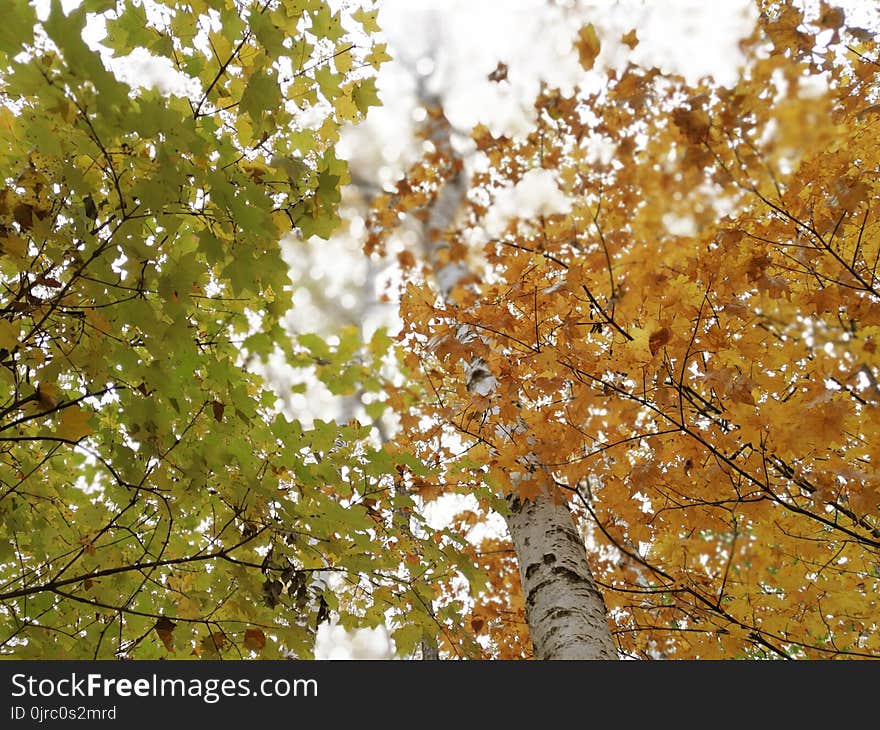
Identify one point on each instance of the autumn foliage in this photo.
(687, 355)
(680, 344)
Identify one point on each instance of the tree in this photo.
(153, 500)
(676, 368)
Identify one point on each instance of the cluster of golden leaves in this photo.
(689, 356)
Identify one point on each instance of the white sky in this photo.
(468, 38)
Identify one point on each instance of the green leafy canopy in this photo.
(152, 501)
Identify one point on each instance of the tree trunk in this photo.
(430, 651)
(564, 609)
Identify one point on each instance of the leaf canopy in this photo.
(153, 501)
(688, 356)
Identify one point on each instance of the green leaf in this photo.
(375, 409)
(143, 281)
(365, 95)
(260, 94)
(98, 6)
(406, 638)
(316, 346)
(326, 24)
(16, 30)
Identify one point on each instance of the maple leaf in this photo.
(644, 475)
(588, 46)
(824, 422)
(98, 321)
(826, 299)
(528, 487)
(212, 644)
(739, 388)
(165, 629)
(658, 338)
(694, 123)
(831, 17)
(630, 39)
(640, 345)
(254, 639)
(74, 424)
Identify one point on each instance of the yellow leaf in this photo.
(824, 423)
(98, 321)
(8, 335)
(74, 424)
(368, 19)
(639, 345)
(221, 45)
(378, 55)
(7, 121)
(343, 59)
(346, 108)
(14, 245)
(587, 46)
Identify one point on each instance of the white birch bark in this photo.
(564, 608)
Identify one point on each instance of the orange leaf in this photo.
(630, 39)
(254, 639)
(588, 46)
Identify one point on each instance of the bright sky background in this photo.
(467, 38)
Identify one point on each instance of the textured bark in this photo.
(430, 651)
(564, 609)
